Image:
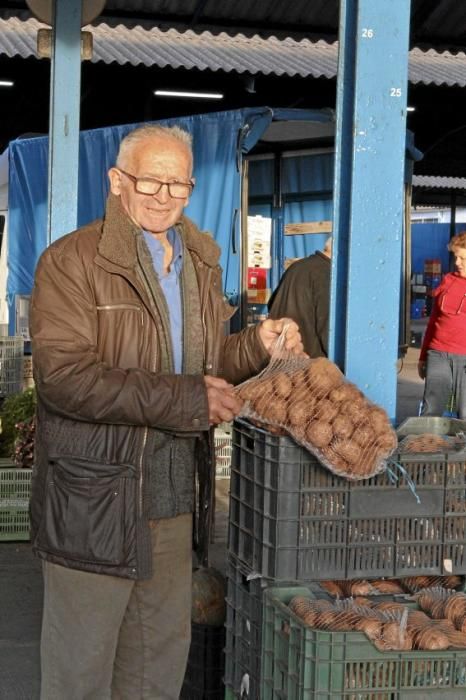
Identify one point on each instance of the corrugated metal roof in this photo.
(431, 67)
(437, 182)
(239, 54)
(439, 24)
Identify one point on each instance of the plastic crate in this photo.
(243, 630)
(431, 424)
(15, 488)
(292, 519)
(11, 365)
(299, 663)
(206, 664)
(223, 450)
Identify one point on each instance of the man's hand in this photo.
(224, 405)
(270, 330)
(421, 368)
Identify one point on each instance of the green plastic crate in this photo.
(299, 663)
(15, 490)
(11, 365)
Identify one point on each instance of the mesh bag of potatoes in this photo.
(324, 412)
(431, 443)
(353, 588)
(389, 625)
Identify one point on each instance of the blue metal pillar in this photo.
(368, 194)
(65, 87)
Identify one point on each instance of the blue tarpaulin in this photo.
(219, 139)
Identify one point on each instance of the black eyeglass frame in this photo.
(161, 183)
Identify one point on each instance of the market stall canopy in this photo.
(438, 24)
(240, 54)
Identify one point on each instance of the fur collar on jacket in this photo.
(118, 240)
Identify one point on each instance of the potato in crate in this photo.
(292, 519)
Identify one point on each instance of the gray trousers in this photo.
(446, 376)
(105, 637)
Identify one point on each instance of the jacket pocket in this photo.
(84, 517)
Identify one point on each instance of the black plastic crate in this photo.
(292, 519)
(243, 630)
(206, 664)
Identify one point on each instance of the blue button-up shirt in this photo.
(170, 284)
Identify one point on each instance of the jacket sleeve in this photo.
(71, 379)
(244, 355)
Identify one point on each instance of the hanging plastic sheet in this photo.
(219, 140)
(217, 193)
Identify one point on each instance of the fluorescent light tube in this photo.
(197, 95)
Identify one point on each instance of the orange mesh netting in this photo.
(314, 402)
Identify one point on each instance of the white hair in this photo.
(150, 131)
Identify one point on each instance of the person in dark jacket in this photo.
(132, 369)
(304, 295)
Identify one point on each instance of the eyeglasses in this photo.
(150, 185)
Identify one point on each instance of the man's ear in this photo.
(114, 176)
(193, 181)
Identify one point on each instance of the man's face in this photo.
(165, 159)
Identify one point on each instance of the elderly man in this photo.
(131, 369)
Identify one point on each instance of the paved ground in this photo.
(21, 585)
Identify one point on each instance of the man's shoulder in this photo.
(83, 239)
(312, 262)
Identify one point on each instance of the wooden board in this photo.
(308, 227)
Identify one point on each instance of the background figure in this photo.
(304, 295)
(442, 361)
(132, 368)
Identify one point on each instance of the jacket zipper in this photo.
(204, 307)
(129, 307)
(140, 485)
(172, 485)
(108, 307)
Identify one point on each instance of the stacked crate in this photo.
(11, 365)
(293, 520)
(223, 448)
(15, 488)
(204, 673)
(300, 663)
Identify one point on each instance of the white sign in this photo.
(259, 239)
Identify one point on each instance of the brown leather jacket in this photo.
(96, 347)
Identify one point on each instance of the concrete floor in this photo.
(21, 585)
